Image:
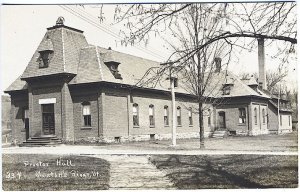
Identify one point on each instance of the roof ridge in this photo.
(129, 54)
(63, 49)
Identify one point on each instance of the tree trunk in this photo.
(202, 146)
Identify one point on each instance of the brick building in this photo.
(74, 91)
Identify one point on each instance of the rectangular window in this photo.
(242, 115)
(190, 117)
(178, 116)
(87, 119)
(135, 115)
(166, 116)
(151, 115)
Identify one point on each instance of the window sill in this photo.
(179, 125)
(166, 125)
(241, 124)
(86, 128)
(23, 130)
(136, 126)
(191, 125)
(152, 126)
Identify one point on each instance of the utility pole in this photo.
(172, 79)
(172, 87)
(278, 110)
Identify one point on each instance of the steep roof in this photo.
(92, 60)
(66, 43)
(89, 63)
(132, 69)
(17, 85)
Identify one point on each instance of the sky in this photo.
(23, 27)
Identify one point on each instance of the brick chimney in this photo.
(218, 62)
(261, 64)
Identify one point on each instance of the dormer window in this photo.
(226, 89)
(113, 67)
(112, 63)
(44, 58)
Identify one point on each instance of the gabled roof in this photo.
(238, 88)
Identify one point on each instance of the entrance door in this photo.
(26, 122)
(48, 119)
(222, 123)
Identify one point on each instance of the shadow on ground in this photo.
(229, 171)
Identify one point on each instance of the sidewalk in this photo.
(96, 150)
(263, 144)
(127, 173)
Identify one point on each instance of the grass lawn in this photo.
(229, 171)
(28, 172)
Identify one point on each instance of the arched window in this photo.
(263, 115)
(242, 115)
(166, 115)
(86, 113)
(151, 115)
(178, 113)
(255, 116)
(135, 114)
(190, 116)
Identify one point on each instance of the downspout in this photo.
(128, 113)
(259, 113)
(61, 111)
(248, 119)
(98, 114)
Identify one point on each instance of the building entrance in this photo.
(48, 119)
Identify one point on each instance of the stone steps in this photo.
(41, 141)
(219, 134)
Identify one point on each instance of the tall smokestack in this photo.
(261, 64)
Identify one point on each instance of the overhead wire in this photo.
(97, 25)
(113, 29)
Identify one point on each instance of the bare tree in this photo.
(201, 32)
(196, 71)
(273, 21)
(273, 78)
